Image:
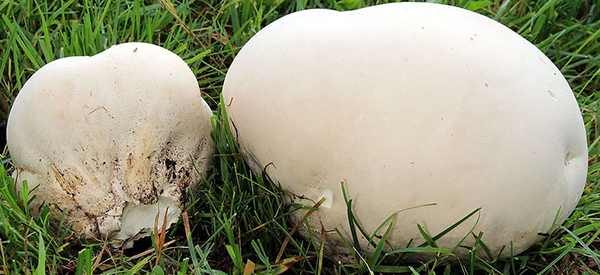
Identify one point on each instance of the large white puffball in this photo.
(412, 103)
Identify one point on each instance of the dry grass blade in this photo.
(98, 259)
(4, 266)
(161, 235)
(314, 208)
(286, 264)
(148, 251)
(170, 7)
(249, 267)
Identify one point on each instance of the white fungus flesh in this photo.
(113, 140)
(410, 104)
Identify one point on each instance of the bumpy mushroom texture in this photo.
(113, 139)
(409, 104)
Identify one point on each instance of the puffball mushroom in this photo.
(409, 104)
(113, 140)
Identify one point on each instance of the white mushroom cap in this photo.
(412, 103)
(112, 140)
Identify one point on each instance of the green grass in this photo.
(239, 220)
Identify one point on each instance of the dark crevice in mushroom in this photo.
(170, 164)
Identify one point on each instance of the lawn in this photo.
(236, 221)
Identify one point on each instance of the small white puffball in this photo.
(409, 104)
(112, 140)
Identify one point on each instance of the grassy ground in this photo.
(236, 217)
